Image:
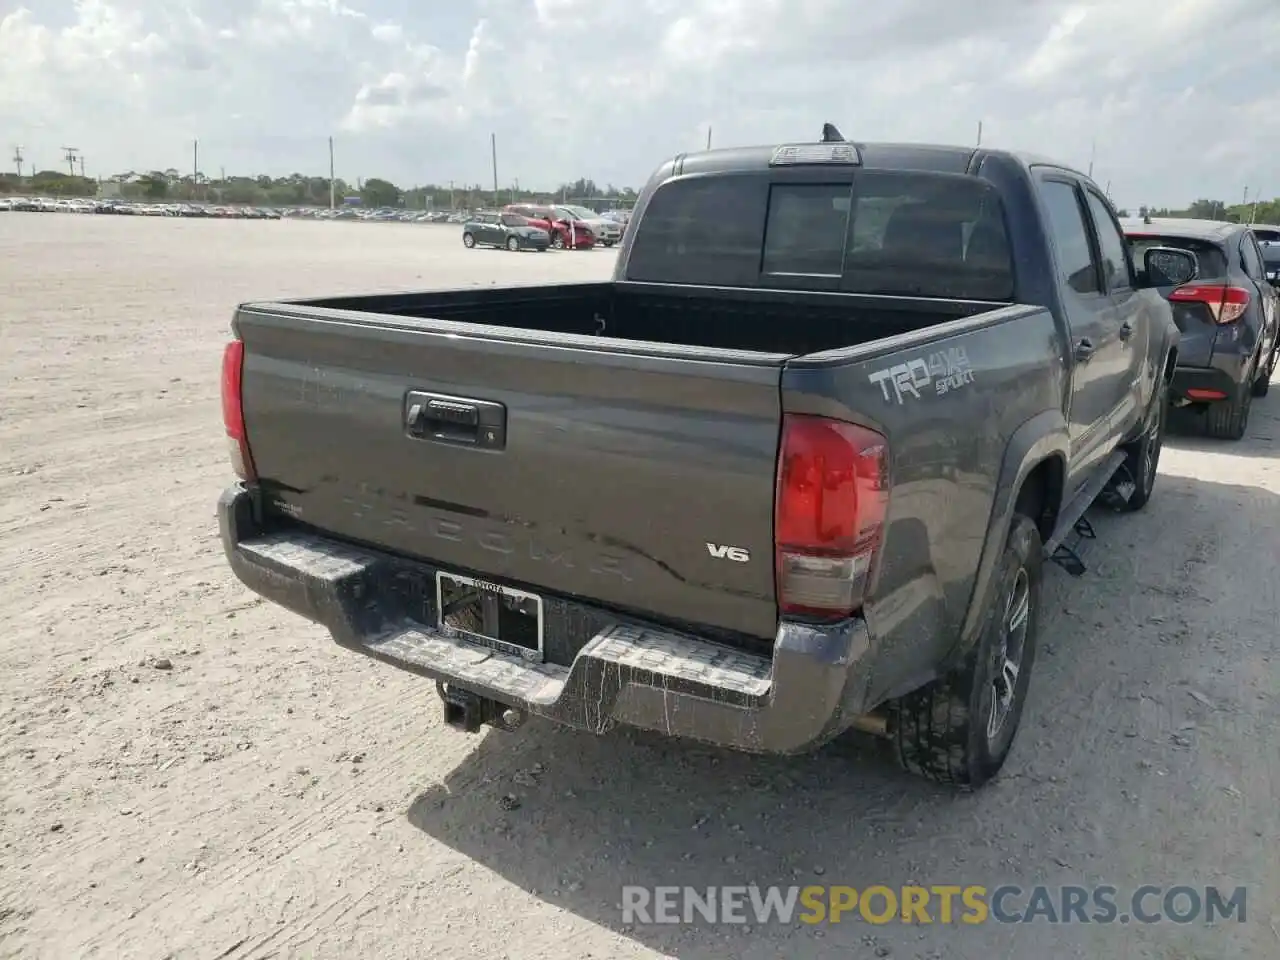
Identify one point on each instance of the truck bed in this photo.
(765, 321)
(620, 466)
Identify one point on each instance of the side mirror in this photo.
(1169, 266)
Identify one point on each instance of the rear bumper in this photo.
(1225, 377)
(627, 672)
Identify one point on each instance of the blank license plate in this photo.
(490, 615)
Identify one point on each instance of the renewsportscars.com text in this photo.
(945, 904)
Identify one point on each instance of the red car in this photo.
(566, 233)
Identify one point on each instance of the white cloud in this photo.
(1179, 94)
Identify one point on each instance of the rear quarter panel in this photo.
(963, 409)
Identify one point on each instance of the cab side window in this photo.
(1116, 267)
(1076, 264)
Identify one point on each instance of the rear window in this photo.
(890, 232)
(1213, 262)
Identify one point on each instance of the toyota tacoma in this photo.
(794, 471)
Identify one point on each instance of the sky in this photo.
(1180, 97)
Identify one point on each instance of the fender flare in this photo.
(1038, 439)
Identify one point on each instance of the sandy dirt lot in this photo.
(188, 772)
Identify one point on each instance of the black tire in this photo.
(1142, 456)
(557, 241)
(468, 241)
(959, 729)
(513, 244)
(1262, 385)
(1229, 419)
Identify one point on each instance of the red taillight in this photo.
(1227, 304)
(233, 410)
(829, 511)
(1195, 393)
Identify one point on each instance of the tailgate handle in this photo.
(459, 420)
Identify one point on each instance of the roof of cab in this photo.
(925, 157)
(1181, 227)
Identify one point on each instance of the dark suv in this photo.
(1228, 317)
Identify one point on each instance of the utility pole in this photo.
(332, 181)
(17, 160)
(1093, 152)
(82, 166)
(493, 150)
(451, 206)
(979, 143)
(70, 153)
(195, 166)
(708, 136)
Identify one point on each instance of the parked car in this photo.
(605, 229)
(763, 487)
(504, 230)
(1265, 233)
(1271, 262)
(1228, 317)
(565, 231)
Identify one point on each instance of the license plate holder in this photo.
(490, 615)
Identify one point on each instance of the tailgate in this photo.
(608, 470)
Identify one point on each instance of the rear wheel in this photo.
(557, 241)
(468, 241)
(513, 244)
(1228, 419)
(960, 728)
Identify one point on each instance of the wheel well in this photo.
(1041, 495)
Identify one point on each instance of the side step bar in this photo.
(1072, 519)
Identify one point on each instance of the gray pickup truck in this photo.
(794, 471)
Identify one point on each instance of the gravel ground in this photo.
(188, 772)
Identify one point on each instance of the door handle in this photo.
(1126, 330)
(444, 420)
(1084, 349)
(455, 420)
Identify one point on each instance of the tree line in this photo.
(299, 190)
